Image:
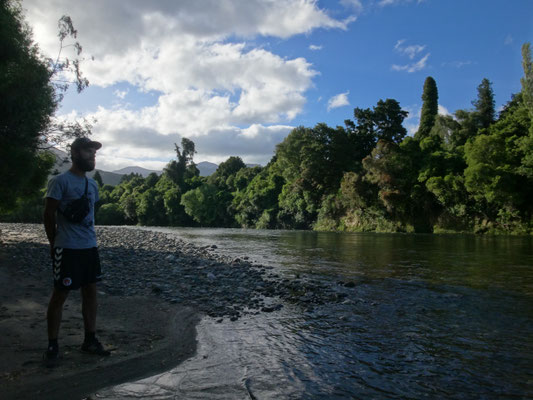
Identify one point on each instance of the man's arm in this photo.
(50, 207)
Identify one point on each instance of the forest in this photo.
(470, 172)
(467, 172)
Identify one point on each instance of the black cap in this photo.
(83, 142)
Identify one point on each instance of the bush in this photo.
(110, 214)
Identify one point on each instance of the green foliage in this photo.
(484, 104)
(29, 96)
(98, 178)
(110, 214)
(207, 205)
(257, 205)
(182, 169)
(151, 208)
(527, 80)
(495, 173)
(430, 108)
(384, 121)
(27, 101)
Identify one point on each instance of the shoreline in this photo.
(148, 276)
(146, 335)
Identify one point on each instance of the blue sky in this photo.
(236, 76)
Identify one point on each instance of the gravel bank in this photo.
(139, 263)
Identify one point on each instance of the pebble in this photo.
(142, 262)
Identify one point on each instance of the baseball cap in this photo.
(84, 142)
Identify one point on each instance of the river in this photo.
(432, 316)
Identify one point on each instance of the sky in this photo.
(236, 76)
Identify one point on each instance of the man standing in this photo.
(69, 225)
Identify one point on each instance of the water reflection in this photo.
(446, 316)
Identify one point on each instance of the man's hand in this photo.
(50, 207)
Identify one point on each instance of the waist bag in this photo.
(77, 210)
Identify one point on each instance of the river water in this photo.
(432, 316)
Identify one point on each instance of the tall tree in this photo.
(29, 96)
(527, 80)
(183, 168)
(430, 108)
(27, 101)
(484, 104)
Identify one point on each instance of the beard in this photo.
(84, 165)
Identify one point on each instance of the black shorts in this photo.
(74, 268)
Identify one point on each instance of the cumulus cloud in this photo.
(315, 47)
(212, 85)
(339, 100)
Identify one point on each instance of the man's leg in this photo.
(55, 311)
(89, 306)
(53, 316)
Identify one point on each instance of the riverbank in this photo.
(156, 287)
(146, 334)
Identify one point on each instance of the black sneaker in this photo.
(51, 357)
(94, 347)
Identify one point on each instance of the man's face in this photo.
(84, 158)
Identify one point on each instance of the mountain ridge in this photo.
(63, 164)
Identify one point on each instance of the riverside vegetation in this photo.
(470, 172)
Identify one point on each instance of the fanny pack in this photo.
(77, 210)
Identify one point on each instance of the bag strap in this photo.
(86, 185)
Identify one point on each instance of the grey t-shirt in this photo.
(67, 187)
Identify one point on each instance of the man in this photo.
(75, 259)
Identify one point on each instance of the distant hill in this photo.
(206, 168)
(136, 170)
(63, 164)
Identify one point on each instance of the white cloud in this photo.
(443, 110)
(384, 3)
(409, 51)
(315, 47)
(413, 67)
(210, 89)
(457, 64)
(339, 100)
(121, 93)
(356, 5)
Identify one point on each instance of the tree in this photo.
(226, 169)
(98, 178)
(430, 108)
(527, 79)
(183, 168)
(27, 101)
(29, 96)
(384, 121)
(207, 205)
(484, 104)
